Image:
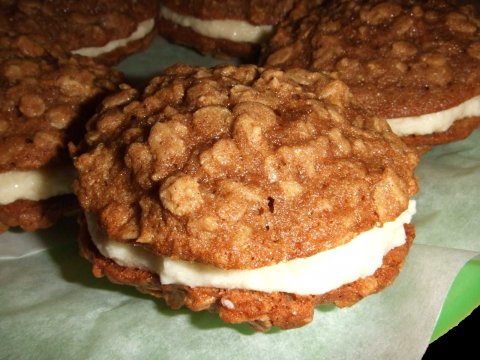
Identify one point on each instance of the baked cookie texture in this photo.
(240, 168)
(400, 58)
(253, 13)
(44, 101)
(76, 25)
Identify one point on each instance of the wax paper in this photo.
(51, 307)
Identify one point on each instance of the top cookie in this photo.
(255, 12)
(400, 58)
(241, 167)
(106, 30)
(42, 98)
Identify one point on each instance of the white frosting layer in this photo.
(233, 30)
(315, 275)
(143, 29)
(35, 184)
(435, 122)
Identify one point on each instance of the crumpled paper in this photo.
(51, 307)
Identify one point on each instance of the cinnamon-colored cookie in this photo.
(416, 63)
(244, 160)
(210, 175)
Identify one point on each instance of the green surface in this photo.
(463, 297)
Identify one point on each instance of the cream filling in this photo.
(313, 275)
(233, 30)
(143, 29)
(435, 122)
(35, 184)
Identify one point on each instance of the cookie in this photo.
(105, 30)
(259, 179)
(234, 28)
(44, 102)
(416, 63)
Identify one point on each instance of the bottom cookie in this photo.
(33, 215)
(259, 309)
(459, 130)
(115, 56)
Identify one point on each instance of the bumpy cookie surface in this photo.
(42, 98)
(84, 24)
(241, 167)
(400, 58)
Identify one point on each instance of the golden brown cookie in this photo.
(44, 102)
(415, 63)
(105, 30)
(233, 28)
(232, 169)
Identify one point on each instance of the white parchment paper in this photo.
(51, 307)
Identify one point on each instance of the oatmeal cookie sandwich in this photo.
(44, 102)
(106, 30)
(255, 193)
(232, 28)
(416, 63)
